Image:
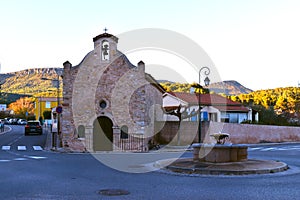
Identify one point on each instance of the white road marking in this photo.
(255, 148)
(20, 159)
(283, 149)
(21, 148)
(295, 148)
(37, 157)
(5, 148)
(37, 148)
(4, 161)
(268, 149)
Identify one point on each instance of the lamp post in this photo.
(59, 73)
(206, 71)
(55, 83)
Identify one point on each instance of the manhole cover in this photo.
(113, 192)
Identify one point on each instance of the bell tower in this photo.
(105, 46)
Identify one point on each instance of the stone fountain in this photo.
(223, 157)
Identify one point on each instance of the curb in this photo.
(6, 131)
(205, 168)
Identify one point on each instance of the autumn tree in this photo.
(22, 106)
(275, 103)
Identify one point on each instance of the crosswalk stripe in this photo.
(21, 148)
(5, 148)
(37, 148)
(291, 148)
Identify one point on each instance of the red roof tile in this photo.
(218, 101)
(206, 99)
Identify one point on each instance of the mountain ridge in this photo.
(28, 82)
(37, 82)
(229, 87)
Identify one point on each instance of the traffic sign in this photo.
(59, 109)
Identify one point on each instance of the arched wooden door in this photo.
(103, 134)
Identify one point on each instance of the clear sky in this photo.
(255, 42)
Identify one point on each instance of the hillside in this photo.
(229, 88)
(37, 82)
(277, 103)
(30, 82)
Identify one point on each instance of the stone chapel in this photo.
(109, 103)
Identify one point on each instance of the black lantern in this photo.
(206, 81)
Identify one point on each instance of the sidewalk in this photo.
(48, 143)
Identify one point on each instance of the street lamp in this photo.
(206, 71)
(59, 72)
(55, 83)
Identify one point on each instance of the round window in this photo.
(103, 104)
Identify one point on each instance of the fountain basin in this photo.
(220, 153)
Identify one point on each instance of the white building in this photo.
(214, 108)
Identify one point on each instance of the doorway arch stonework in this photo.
(102, 134)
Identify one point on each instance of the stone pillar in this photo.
(116, 138)
(89, 138)
(196, 150)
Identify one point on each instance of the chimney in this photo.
(67, 65)
(141, 66)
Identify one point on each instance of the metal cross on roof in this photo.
(105, 30)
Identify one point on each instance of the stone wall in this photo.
(253, 134)
(239, 133)
(178, 134)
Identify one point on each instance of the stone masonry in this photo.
(106, 84)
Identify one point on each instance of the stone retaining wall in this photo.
(239, 133)
(253, 134)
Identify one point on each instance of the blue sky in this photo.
(255, 42)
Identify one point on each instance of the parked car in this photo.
(22, 122)
(33, 127)
(13, 121)
(6, 121)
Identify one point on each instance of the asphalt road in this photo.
(39, 174)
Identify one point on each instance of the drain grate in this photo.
(113, 192)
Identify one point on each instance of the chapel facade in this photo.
(109, 103)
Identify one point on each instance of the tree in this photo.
(22, 106)
(181, 114)
(47, 114)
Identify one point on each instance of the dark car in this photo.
(33, 127)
